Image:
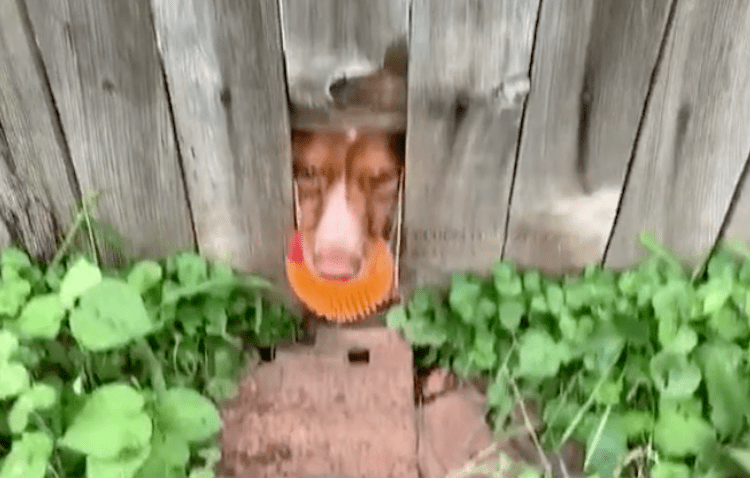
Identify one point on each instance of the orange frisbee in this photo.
(341, 300)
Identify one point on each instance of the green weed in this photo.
(648, 364)
(118, 373)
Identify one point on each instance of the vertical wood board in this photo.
(38, 190)
(105, 75)
(325, 40)
(224, 69)
(738, 218)
(590, 78)
(467, 61)
(696, 135)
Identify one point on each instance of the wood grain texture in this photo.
(105, 75)
(325, 40)
(590, 78)
(467, 60)
(224, 68)
(696, 135)
(37, 188)
(738, 216)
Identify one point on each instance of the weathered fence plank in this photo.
(104, 72)
(592, 66)
(325, 40)
(224, 69)
(467, 60)
(37, 189)
(737, 225)
(696, 135)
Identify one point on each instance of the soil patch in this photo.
(343, 406)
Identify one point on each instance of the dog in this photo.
(347, 189)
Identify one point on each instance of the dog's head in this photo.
(347, 184)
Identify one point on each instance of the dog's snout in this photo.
(337, 263)
(339, 225)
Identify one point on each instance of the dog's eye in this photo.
(307, 178)
(384, 186)
(380, 179)
(306, 172)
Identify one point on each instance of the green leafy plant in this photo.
(118, 373)
(648, 367)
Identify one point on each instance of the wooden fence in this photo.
(549, 132)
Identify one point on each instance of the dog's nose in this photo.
(336, 263)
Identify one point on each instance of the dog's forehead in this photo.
(374, 152)
(319, 149)
(347, 152)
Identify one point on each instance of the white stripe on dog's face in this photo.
(339, 236)
(351, 135)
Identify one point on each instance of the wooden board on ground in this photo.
(105, 75)
(38, 190)
(224, 69)
(468, 75)
(592, 65)
(696, 135)
(344, 407)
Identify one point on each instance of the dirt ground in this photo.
(349, 406)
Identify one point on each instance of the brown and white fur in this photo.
(347, 189)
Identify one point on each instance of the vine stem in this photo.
(530, 428)
(590, 401)
(553, 416)
(50, 467)
(81, 216)
(87, 217)
(157, 373)
(597, 436)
